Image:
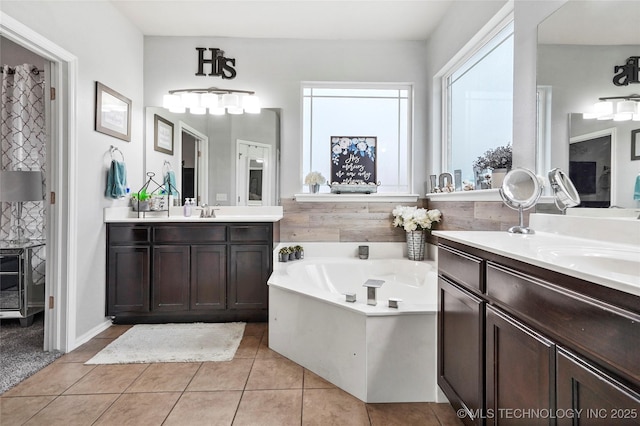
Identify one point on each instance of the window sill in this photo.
(479, 195)
(347, 198)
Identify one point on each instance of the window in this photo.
(379, 110)
(478, 103)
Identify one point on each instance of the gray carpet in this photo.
(21, 353)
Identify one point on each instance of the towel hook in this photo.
(113, 149)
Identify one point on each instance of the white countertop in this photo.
(577, 257)
(223, 214)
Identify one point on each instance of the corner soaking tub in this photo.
(376, 353)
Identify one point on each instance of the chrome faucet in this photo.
(207, 211)
(371, 286)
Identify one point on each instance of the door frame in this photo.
(202, 162)
(62, 156)
(268, 170)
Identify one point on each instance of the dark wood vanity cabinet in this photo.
(188, 272)
(525, 345)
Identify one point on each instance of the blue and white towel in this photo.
(636, 190)
(170, 183)
(116, 180)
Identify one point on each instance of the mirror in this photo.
(217, 159)
(520, 191)
(575, 68)
(565, 193)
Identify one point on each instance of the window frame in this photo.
(338, 85)
(482, 39)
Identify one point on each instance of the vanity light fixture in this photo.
(617, 108)
(216, 100)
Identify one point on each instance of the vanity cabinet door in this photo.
(128, 279)
(208, 277)
(520, 372)
(170, 277)
(460, 349)
(593, 396)
(250, 266)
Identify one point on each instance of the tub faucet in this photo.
(371, 286)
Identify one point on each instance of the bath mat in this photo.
(199, 342)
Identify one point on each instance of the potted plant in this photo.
(314, 180)
(283, 254)
(140, 201)
(498, 160)
(299, 252)
(416, 222)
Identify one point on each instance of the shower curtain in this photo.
(23, 148)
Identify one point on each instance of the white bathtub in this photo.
(376, 353)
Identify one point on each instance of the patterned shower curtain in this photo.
(23, 147)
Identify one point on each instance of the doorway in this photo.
(592, 169)
(194, 148)
(253, 173)
(61, 218)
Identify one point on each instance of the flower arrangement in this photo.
(497, 158)
(412, 218)
(314, 178)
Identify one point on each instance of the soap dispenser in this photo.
(187, 207)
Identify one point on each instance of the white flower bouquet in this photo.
(314, 178)
(412, 218)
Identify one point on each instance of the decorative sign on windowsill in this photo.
(353, 164)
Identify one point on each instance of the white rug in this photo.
(199, 342)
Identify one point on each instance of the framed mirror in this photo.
(219, 159)
(575, 68)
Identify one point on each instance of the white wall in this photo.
(275, 69)
(110, 50)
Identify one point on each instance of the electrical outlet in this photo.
(221, 197)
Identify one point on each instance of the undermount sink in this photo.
(612, 261)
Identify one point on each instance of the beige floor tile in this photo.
(108, 379)
(446, 414)
(229, 375)
(277, 373)
(73, 410)
(325, 407)
(17, 410)
(313, 381)
(255, 329)
(248, 347)
(85, 352)
(54, 379)
(165, 377)
(113, 332)
(204, 408)
(269, 407)
(136, 409)
(264, 351)
(407, 414)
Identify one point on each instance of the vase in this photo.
(497, 177)
(415, 245)
(314, 188)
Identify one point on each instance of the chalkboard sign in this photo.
(353, 159)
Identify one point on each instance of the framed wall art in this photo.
(635, 144)
(353, 159)
(162, 135)
(113, 113)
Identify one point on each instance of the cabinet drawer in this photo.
(129, 234)
(245, 233)
(461, 267)
(189, 234)
(603, 332)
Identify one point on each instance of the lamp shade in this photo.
(21, 186)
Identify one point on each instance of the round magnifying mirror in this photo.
(520, 190)
(566, 194)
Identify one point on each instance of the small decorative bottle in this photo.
(187, 207)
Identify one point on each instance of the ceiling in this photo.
(290, 19)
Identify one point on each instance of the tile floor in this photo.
(258, 387)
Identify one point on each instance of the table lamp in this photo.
(17, 187)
